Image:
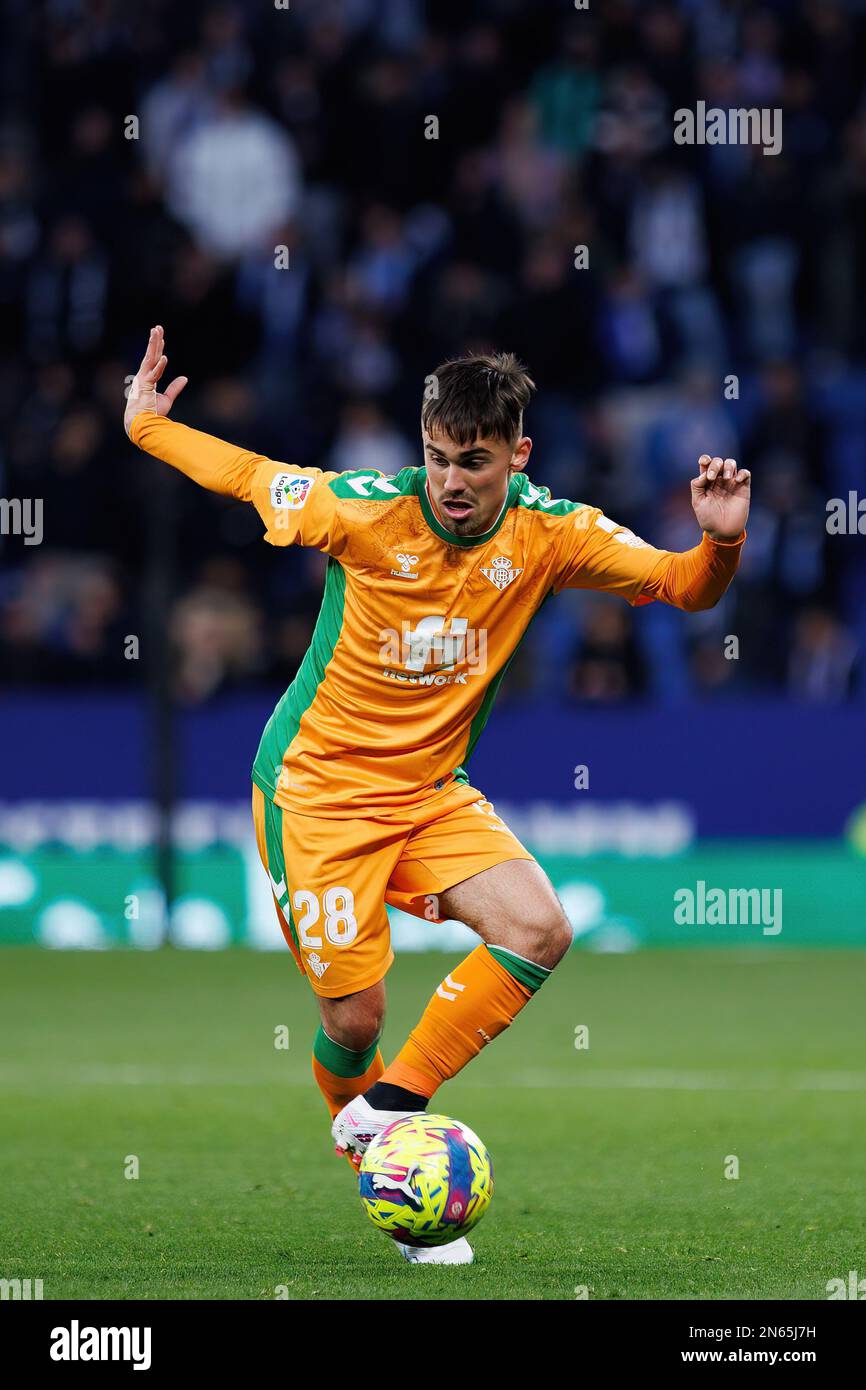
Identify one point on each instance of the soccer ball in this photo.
(426, 1180)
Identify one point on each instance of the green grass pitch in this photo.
(609, 1160)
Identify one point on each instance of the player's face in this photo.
(468, 482)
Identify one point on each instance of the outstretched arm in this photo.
(297, 505)
(696, 579)
(211, 462)
(610, 558)
(693, 579)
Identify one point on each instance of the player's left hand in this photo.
(720, 497)
(143, 394)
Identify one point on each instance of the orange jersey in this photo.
(417, 625)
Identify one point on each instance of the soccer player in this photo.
(360, 790)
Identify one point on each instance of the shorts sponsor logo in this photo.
(289, 491)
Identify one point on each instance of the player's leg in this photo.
(467, 864)
(497, 888)
(347, 1063)
(525, 933)
(332, 915)
(346, 1055)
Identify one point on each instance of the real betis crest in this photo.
(500, 572)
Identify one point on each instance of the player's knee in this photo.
(546, 936)
(357, 1037)
(356, 1020)
(357, 1032)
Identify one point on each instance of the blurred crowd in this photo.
(320, 201)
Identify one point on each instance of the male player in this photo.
(360, 793)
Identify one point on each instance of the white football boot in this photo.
(459, 1252)
(358, 1123)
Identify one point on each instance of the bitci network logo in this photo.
(437, 651)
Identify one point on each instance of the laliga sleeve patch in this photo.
(289, 491)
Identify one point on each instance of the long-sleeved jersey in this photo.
(417, 626)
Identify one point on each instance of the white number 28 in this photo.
(341, 927)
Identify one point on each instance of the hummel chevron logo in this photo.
(452, 984)
(279, 888)
(364, 481)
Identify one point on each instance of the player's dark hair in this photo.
(481, 396)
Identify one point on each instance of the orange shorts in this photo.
(331, 878)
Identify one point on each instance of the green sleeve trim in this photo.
(339, 1060)
(538, 499)
(366, 485)
(526, 972)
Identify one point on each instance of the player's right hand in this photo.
(143, 394)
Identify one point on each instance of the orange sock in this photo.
(473, 1004)
(342, 1074)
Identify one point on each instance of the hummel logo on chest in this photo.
(500, 573)
(406, 562)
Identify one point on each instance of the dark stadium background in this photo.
(554, 130)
